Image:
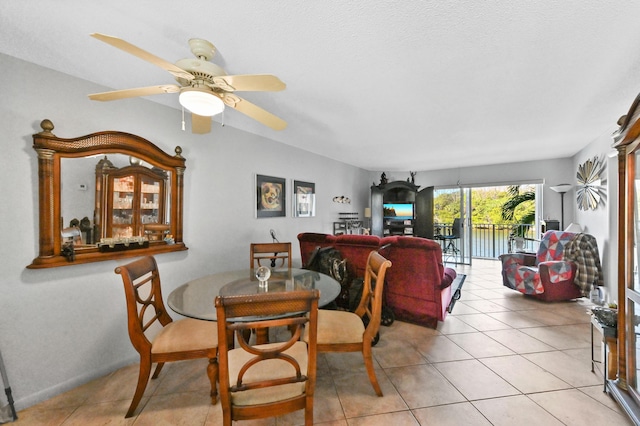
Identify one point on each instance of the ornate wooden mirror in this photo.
(104, 196)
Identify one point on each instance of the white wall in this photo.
(602, 222)
(61, 327)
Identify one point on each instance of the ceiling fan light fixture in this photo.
(201, 101)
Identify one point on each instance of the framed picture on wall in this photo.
(270, 196)
(304, 199)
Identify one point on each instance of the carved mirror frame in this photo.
(51, 150)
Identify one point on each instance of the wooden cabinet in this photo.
(626, 388)
(131, 201)
(398, 208)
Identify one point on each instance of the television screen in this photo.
(398, 211)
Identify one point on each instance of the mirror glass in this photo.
(87, 206)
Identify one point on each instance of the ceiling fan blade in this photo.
(254, 111)
(132, 93)
(200, 124)
(250, 82)
(143, 54)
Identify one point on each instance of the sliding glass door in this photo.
(484, 230)
(452, 223)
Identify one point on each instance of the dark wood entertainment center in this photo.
(421, 225)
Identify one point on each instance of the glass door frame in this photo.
(464, 244)
(632, 290)
(467, 226)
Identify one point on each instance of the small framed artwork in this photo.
(304, 199)
(270, 196)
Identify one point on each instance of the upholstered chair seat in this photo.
(188, 334)
(339, 327)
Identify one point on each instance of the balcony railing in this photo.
(491, 240)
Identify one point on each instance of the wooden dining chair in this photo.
(173, 340)
(344, 331)
(274, 255)
(268, 380)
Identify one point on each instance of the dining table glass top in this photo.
(195, 299)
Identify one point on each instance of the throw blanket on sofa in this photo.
(583, 250)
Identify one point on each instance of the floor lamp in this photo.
(561, 189)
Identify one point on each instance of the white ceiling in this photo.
(386, 85)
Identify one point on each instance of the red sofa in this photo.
(418, 286)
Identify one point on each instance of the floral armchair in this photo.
(565, 267)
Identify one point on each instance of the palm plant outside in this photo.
(520, 207)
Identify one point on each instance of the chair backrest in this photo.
(145, 308)
(274, 255)
(270, 379)
(156, 231)
(456, 228)
(356, 249)
(370, 306)
(553, 244)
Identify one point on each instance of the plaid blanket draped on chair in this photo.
(583, 250)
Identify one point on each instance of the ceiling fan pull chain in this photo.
(183, 119)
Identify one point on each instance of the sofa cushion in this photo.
(356, 249)
(309, 241)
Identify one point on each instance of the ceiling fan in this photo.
(205, 88)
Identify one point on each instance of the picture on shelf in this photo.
(270, 196)
(304, 199)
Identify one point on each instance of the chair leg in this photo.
(308, 412)
(143, 379)
(368, 362)
(156, 373)
(212, 372)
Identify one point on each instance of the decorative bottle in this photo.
(594, 295)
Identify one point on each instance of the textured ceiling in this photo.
(380, 84)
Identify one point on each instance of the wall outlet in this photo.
(82, 187)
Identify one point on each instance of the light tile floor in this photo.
(498, 359)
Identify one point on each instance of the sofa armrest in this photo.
(524, 259)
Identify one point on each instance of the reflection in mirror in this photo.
(107, 195)
(88, 183)
(77, 195)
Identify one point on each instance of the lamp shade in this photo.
(574, 227)
(562, 188)
(201, 101)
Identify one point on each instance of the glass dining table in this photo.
(195, 299)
